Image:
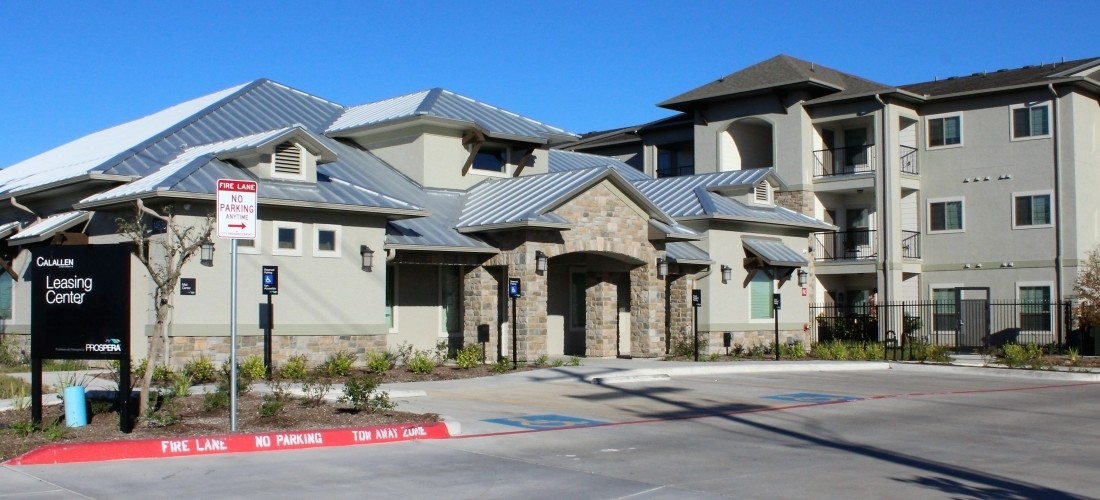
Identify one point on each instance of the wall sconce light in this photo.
(206, 253)
(727, 273)
(368, 257)
(662, 267)
(540, 262)
(803, 277)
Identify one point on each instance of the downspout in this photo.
(1058, 277)
(884, 195)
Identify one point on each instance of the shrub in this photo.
(55, 430)
(338, 364)
(315, 389)
(683, 344)
(501, 366)
(379, 361)
(162, 375)
(361, 393)
(271, 407)
(22, 428)
(181, 385)
(796, 350)
(404, 353)
(215, 401)
(201, 370)
(11, 387)
(542, 360)
(8, 354)
(1018, 356)
(441, 352)
(468, 357)
(574, 361)
(296, 368)
(421, 362)
(253, 368)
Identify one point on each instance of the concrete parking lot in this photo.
(857, 432)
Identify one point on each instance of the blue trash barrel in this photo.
(76, 407)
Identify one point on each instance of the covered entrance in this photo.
(588, 305)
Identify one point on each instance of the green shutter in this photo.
(760, 290)
(5, 295)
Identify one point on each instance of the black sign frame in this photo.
(514, 288)
(269, 281)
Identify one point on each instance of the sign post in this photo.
(514, 293)
(696, 302)
(236, 220)
(777, 304)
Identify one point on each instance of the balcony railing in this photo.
(908, 160)
(675, 171)
(844, 161)
(910, 244)
(856, 244)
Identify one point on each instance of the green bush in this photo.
(468, 357)
(315, 389)
(339, 364)
(683, 344)
(253, 368)
(11, 387)
(574, 361)
(1023, 356)
(361, 393)
(201, 370)
(271, 407)
(181, 385)
(162, 375)
(296, 368)
(421, 362)
(501, 366)
(542, 360)
(379, 361)
(404, 353)
(215, 401)
(9, 355)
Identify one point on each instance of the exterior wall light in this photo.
(727, 273)
(368, 257)
(540, 262)
(206, 253)
(662, 267)
(803, 276)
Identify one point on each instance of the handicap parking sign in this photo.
(812, 398)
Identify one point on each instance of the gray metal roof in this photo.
(142, 146)
(683, 252)
(698, 196)
(437, 231)
(561, 161)
(442, 103)
(9, 228)
(44, 229)
(774, 252)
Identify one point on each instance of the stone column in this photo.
(530, 306)
(647, 312)
(602, 315)
(681, 315)
(479, 306)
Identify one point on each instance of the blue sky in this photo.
(72, 68)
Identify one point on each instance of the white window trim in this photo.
(932, 296)
(393, 307)
(928, 135)
(297, 227)
(1050, 286)
(507, 172)
(257, 242)
(1048, 192)
(928, 215)
(1012, 123)
(317, 252)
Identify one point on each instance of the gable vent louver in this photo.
(762, 193)
(288, 159)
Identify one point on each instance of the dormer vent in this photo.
(288, 159)
(763, 193)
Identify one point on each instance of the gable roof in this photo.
(137, 148)
(698, 197)
(444, 104)
(781, 71)
(563, 161)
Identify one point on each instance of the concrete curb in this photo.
(743, 367)
(993, 371)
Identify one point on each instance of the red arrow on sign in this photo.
(238, 226)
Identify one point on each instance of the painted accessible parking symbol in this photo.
(538, 422)
(810, 397)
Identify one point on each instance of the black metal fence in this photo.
(844, 161)
(966, 325)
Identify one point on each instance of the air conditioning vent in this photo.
(288, 159)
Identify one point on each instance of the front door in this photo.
(973, 317)
(575, 328)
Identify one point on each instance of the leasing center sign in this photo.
(80, 304)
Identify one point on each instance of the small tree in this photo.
(163, 258)
(1087, 286)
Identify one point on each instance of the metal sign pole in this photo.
(233, 337)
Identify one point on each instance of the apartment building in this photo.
(973, 186)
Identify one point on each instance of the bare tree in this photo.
(1087, 286)
(163, 258)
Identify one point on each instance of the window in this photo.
(286, 238)
(1035, 307)
(859, 229)
(760, 291)
(1031, 210)
(944, 131)
(252, 246)
(945, 216)
(675, 160)
(491, 158)
(326, 240)
(1030, 121)
(943, 317)
(450, 290)
(391, 294)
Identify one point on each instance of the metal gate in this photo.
(972, 316)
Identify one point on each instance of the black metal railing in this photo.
(969, 325)
(855, 244)
(910, 244)
(908, 160)
(675, 171)
(844, 161)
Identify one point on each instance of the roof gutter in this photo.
(1056, 143)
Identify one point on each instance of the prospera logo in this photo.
(109, 345)
(62, 263)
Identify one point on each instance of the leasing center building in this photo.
(402, 220)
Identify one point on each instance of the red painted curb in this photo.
(228, 443)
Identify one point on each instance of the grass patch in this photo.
(12, 387)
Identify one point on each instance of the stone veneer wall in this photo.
(314, 347)
(680, 312)
(602, 314)
(799, 201)
(479, 306)
(752, 338)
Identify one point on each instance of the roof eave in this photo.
(392, 213)
(504, 226)
(439, 248)
(92, 176)
(688, 103)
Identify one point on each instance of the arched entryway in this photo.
(588, 304)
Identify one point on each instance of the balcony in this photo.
(844, 161)
(908, 160)
(910, 244)
(859, 244)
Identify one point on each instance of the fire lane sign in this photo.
(236, 209)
